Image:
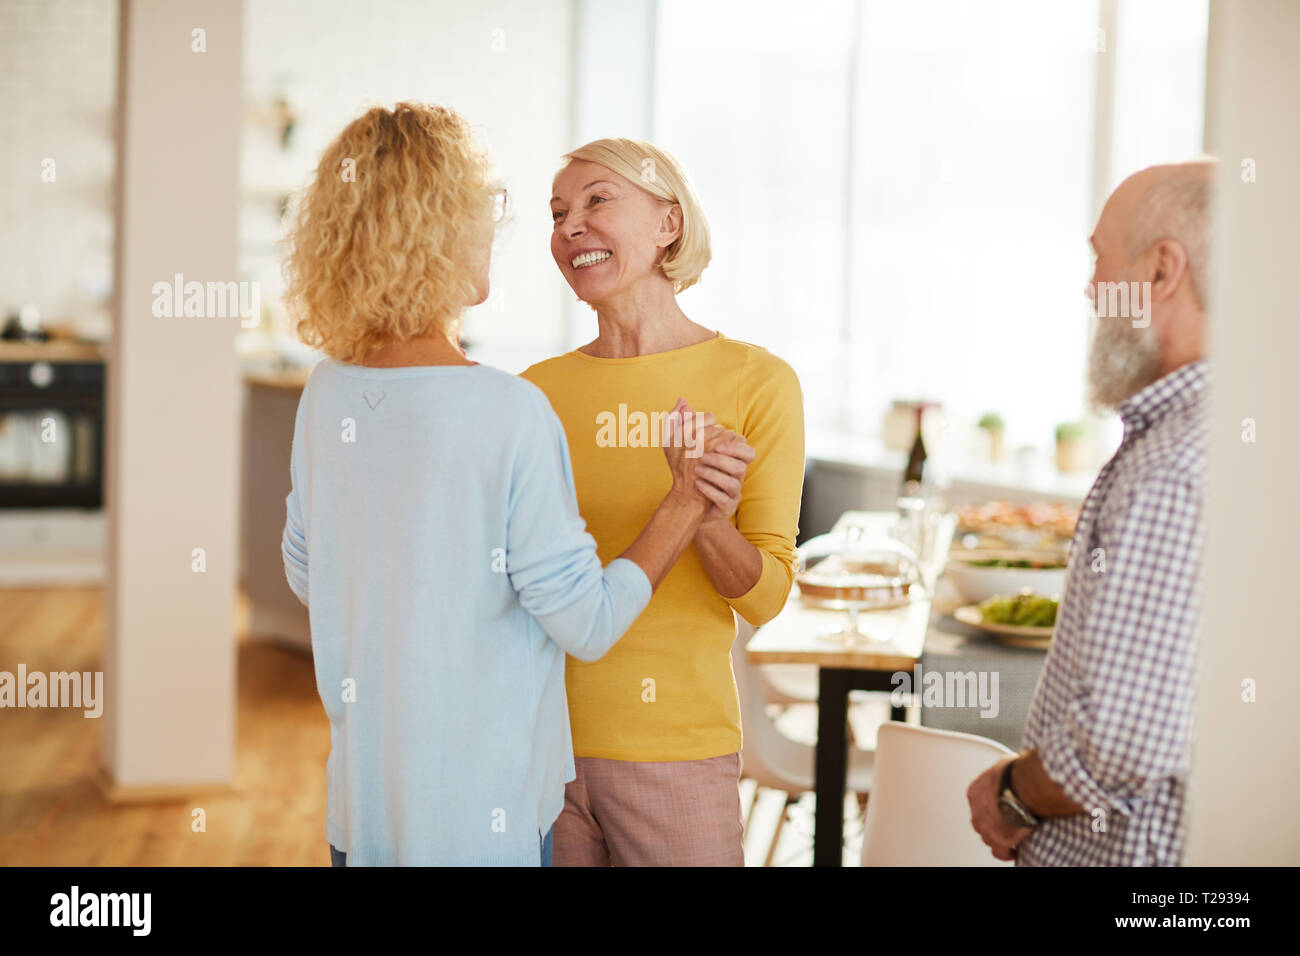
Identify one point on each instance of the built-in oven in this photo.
(51, 428)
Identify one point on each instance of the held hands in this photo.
(706, 458)
(687, 436)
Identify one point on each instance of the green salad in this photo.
(1017, 563)
(1023, 610)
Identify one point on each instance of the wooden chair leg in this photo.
(749, 814)
(776, 837)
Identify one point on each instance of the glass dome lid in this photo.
(853, 568)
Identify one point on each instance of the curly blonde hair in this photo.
(377, 242)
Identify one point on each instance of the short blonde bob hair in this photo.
(377, 243)
(659, 174)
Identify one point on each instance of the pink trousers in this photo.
(630, 813)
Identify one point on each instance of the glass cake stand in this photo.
(853, 572)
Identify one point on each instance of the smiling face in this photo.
(609, 235)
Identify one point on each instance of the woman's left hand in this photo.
(719, 475)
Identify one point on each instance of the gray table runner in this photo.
(953, 648)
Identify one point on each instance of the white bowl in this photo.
(979, 584)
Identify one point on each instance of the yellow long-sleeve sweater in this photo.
(666, 691)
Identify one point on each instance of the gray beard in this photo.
(1122, 361)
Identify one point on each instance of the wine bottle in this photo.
(914, 474)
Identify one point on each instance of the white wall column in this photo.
(172, 465)
(1246, 767)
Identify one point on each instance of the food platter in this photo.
(999, 517)
(1038, 638)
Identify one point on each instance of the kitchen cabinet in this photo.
(270, 407)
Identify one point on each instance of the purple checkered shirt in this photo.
(1111, 717)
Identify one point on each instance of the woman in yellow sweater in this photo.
(656, 721)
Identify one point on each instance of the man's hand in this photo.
(985, 817)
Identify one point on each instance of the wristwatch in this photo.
(1009, 805)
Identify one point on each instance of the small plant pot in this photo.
(1071, 455)
(997, 443)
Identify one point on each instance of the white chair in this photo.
(790, 685)
(769, 757)
(918, 814)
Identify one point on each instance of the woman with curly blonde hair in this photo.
(432, 529)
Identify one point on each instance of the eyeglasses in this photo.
(499, 202)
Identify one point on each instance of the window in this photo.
(756, 108)
(901, 193)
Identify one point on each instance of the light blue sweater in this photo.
(433, 533)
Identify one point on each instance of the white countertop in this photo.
(1036, 475)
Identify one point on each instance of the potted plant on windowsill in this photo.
(1071, 447)
(992, 423)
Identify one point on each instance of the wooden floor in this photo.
(771, 842)
(53, 813)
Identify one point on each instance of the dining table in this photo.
(897, 640)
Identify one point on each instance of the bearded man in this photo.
(1102, 775)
